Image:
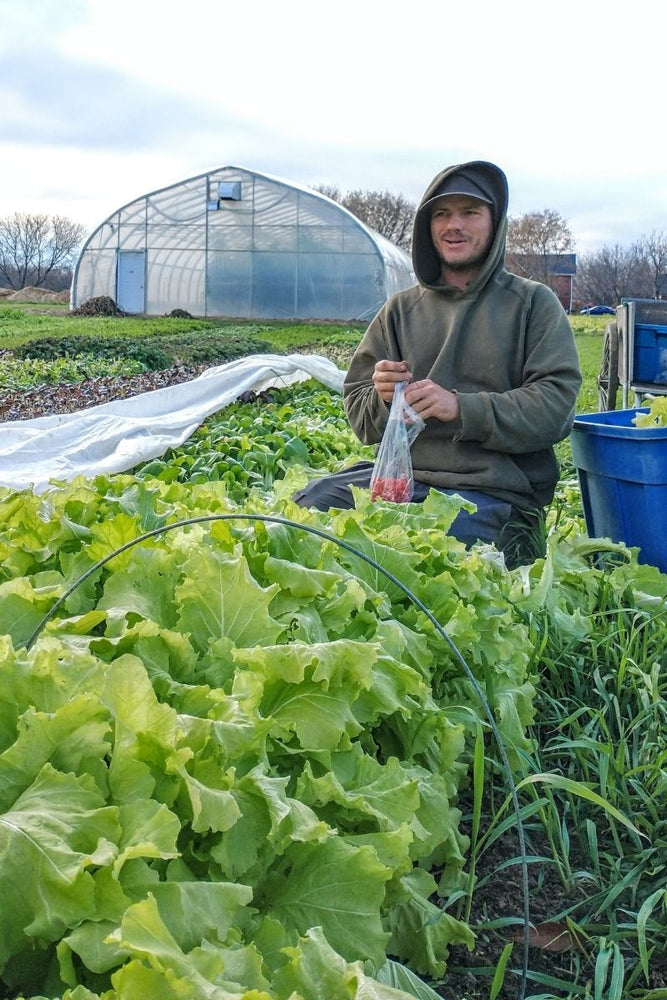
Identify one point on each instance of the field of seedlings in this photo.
(258, 752)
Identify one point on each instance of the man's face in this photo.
(461, 230)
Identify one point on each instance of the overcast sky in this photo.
(102, 101)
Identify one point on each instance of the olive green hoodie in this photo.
(504, 345)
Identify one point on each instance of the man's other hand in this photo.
(430, 400)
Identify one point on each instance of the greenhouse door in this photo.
(130, 281)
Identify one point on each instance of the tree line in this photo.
(534, 239)
(615, 272)
(41, 250)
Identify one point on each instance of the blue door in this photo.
(130, 281)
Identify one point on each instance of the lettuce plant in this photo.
(231, 759)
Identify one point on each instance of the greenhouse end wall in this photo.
(240, 244)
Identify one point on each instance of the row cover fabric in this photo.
(116, 436)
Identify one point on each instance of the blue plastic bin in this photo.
(650, 353)
(622, 472)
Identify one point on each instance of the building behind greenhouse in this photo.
(237, 243)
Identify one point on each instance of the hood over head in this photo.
(477, 179)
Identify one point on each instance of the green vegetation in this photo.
(656, 415)
(237, 731)
(17, 373)
(152, 353)
(255, 444)
(17, 324)
(589, 346)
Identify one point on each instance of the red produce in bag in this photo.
(392, 474)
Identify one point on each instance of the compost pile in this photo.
(102, 305)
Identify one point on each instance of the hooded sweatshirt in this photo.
(504, 344)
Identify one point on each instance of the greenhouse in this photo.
(237, 243)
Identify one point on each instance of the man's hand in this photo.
(426, 397)
(386, 375)
(430, 400)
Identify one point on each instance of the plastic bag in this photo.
(392, 473)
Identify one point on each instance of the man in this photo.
(491, 364)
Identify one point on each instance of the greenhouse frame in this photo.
(236, 243)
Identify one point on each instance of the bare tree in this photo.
(34, 248)
(532, 242)
(654, 249)
(329, 191)
(612, 273)
(391, 215)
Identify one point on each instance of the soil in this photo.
(66, 398)
(33, 294)
(553, 951)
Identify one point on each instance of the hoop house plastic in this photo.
(237, 243)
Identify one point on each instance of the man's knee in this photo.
(333, 491)
(485, 523)
(519, 534)
(323, 494)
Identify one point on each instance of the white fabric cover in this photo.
(116, 436)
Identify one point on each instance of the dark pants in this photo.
(517, 533)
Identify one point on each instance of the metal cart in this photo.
(634, 354)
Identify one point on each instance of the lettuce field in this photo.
(253, 751)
